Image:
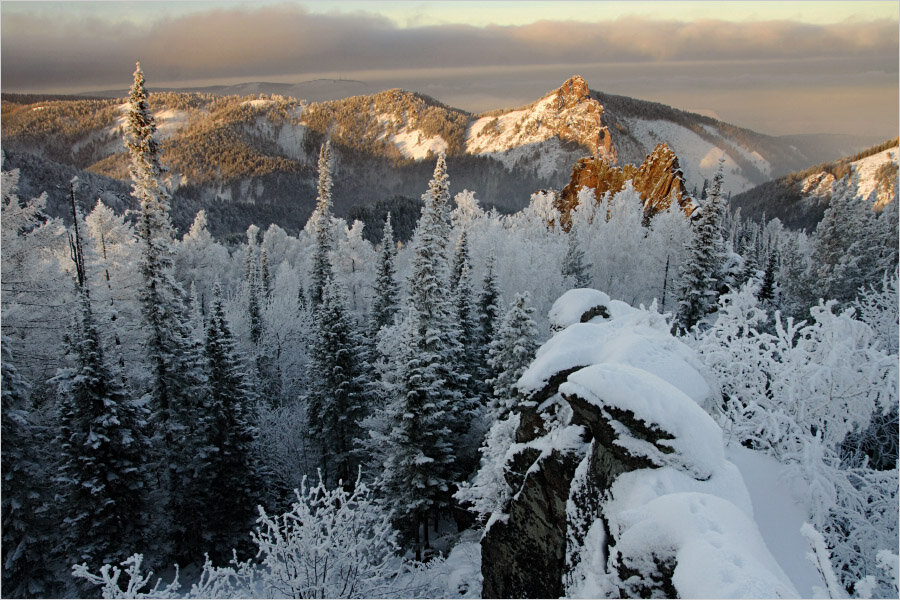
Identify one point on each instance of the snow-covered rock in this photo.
(618, 482)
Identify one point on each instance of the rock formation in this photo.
(618, 484)
(658, 180)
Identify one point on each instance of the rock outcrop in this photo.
(658, 180)
(611, 445)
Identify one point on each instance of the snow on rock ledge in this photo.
(578, 306)
(634, 402)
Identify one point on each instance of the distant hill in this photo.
(799, 199)
(251, 149)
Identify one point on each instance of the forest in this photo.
(321, 415)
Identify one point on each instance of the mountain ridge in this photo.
(262, 149)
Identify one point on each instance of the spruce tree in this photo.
(510, 354)
(488, 317)
(322, 270)
(25, 491)
(418, 449)
(253, 284)
(429, 294)
(174, 377)
(339, 394)
(387, 290)
(703, 270)
(104, 449)
(460, 257)
(227, 471)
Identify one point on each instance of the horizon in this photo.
(779, 68)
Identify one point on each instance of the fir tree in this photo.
(26, 569)
(703, 270)
(322, 270)
(466, 315)
(339, 390)
(440, 336)
(460, 258)
(174, 378)
(488, 317)
(265, 277)
(387, 290)
(104, 449)
(574, 267)
(419, 454)
(252, 281)
(227, 472)
(510, 354)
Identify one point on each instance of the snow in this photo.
(718, 550)
(697, 157)
(627, 338)
(413, 144)
(821, 184)
(866, 168)
(778, 515)
(168, 122)
(697, 442)
(257, 103)
(290, 140)
(569, 308)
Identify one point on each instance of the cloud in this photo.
(269, 41)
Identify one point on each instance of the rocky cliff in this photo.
(658, 179)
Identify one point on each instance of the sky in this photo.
(776, 67)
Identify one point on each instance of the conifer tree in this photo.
(466, 315)
(104, 449)
(339, 390)
(252, 281)
(26, 571)
(488, 317)
(574, 267)
(322, 270)
(703, 271)
(387, 289)
(227, 471)
(510, 354)
(265, 277)
(174, 377)
(418, 450)
(460, 257)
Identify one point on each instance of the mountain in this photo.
(233, 152)
(799, 199)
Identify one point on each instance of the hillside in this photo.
(235, 152)
(799, 199)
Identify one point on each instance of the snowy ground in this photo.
(777, 515)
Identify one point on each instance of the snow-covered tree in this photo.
(252, 285)
(417, 444)
(322, 269)
(702, 274)
(510, 354)
(387, 290)
(488, 314)
(460, 258)
(227, 476)
(339, 387)
(25, 492)
(103, 474)
(574, 268)
(174, 375)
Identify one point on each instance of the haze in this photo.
(776, 67)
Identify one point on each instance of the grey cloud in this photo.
(280, 40)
